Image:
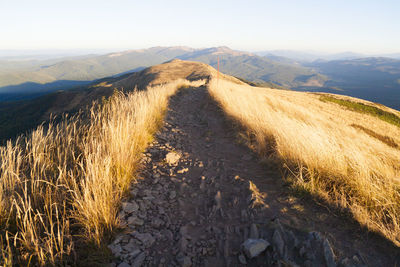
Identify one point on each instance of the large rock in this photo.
(172, 158)
(253, 247)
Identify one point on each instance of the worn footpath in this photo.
(197, 202)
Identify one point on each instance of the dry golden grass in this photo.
(324, 153)
(65, 183)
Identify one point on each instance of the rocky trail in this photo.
(205, 200)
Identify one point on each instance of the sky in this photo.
(364, 26)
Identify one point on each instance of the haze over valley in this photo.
(373, 78)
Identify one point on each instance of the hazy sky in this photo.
(368, 26)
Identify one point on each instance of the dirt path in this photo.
(203, 195)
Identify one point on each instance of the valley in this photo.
(374, 78)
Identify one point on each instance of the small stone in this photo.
(183, 187)
(247, 157)
(146, 239)
(157, 222)
(315, 235)
(356, 259)
(134, 253)
(142, 206)
(124, 264)
(130, 207)
(139, 260)
(131, 246)
(242, 259)
(254, 231)
(133, 220)
(253, 247)
(310, 255)
(168, 234)
(328, 254)
(183, 244)
(346, 262)
(172, 194)
(218, 199)
(172, 158)
(187, 262)
(277, 240)
(161, 210)
(243, 215)
(115, 249)
(118, 239)
(302, 251)
(294, 241)
(203, 183)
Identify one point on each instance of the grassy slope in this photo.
(355, 168)
(364, 108)
(62, 186)
(77, 170)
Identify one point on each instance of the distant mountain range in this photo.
(372, 78)
(243, 64)
(376, 78)
(313, 56)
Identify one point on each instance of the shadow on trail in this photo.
(218, 195)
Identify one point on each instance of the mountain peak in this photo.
(227, 50)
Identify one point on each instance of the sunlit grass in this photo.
(64, 184)
(364, 108)
(323, 151)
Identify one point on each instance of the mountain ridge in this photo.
(372, 78)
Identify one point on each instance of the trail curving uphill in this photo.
(204, 199)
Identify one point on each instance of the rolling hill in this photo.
(37, 76)
(254, 68)
(375, 79)
(18, 77)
